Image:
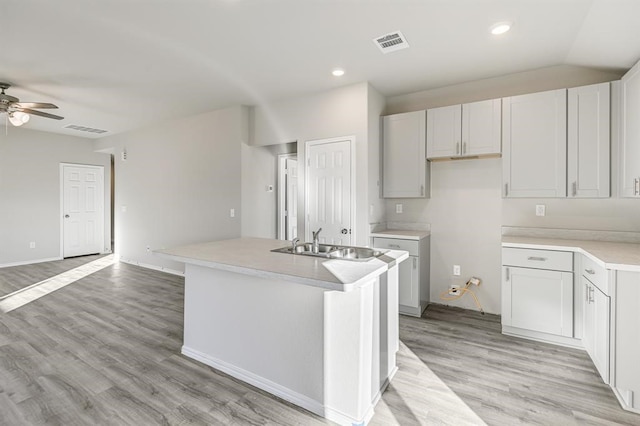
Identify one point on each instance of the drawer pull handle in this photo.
(590, 271)
(537, 258)
(394, 246)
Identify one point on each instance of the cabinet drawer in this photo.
(397, 244)
(538, 259)
(595, 273)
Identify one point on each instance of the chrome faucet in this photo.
(294, 244)
(315, 246)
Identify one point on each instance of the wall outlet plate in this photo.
(454, 290)
(541, 210)
(398, 208)
(456, 270)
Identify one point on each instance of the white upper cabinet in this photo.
(534, 157)
(630, 134)
(404, 165)
(464, 130)
(588, 131)
(444, 131)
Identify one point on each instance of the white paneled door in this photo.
(328, 172)
(82, 210)
(292, 197)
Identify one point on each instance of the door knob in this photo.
(344, 231)
(66, 215)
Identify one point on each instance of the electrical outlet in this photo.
(541, 209)
(232, 213)
(398, 208)
(454, 290)
(32, 244)
(456, 270)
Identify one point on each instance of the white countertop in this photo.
(611, 255)
(403, 234)
(253, 256)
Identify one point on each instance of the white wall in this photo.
(335, 113)
(375, 107)
(179, 182)
(466, 210)
(30, 191)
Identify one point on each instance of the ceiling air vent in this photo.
(391, 42)
(85, 129)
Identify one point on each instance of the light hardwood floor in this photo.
(106, 351)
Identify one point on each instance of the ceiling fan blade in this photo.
(40, 113)
(40, 105)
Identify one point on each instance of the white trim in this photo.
(150, 266)
(352, 142)
(104, 210)
(538, 336)
(257, 381)
(29, 262)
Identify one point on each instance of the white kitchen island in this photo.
(322, 334)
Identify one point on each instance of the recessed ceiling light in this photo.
(500, 28)
(338, 72)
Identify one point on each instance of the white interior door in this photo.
(82, 210)
(328, 177)
(291, 165)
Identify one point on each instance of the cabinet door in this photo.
(481, 130)
(597, 308)
(409, 285)
(534, 156)
(444, 127)
(630, 134)
(588, 141)
(600, 356)
(404, 162)
(538, 300)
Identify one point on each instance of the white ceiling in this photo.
(122, 64)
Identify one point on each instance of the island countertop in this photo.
(253, 256)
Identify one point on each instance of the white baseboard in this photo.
(627, 402)
(149, 266)
(29, 262)
(569, 342)
(257, 381)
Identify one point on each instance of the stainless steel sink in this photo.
(359, 254)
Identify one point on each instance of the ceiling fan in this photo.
(18, 112)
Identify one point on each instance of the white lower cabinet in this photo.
(595, 335)
(413, 279)
(605, 306)
(625, 339)
(537, 294)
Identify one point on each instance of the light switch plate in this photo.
(456, 270)
(398, 208)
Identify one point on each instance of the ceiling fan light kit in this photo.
(18, 112)
(18, 118)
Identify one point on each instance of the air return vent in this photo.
(391, 42)
(85, 129)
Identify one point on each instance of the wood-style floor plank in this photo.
(106, 350)
(13, 278)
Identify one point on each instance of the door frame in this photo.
(93, 166)
(282, 191)
(352, 142)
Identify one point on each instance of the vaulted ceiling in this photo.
(121, 64)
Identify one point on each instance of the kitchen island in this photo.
(316, 332)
